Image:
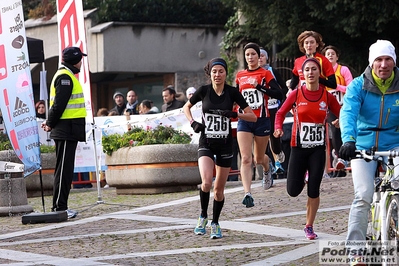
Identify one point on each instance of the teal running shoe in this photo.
(248, 201)
(201, 224)
(216, 232)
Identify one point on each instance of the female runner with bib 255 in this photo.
(311, 104)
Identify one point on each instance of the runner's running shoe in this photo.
(309, 234)
(201, 224)
(341, 164)
(267, 180)
(248, 201)
(216, 232)
(281, 157)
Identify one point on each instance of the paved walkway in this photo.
(158, 229)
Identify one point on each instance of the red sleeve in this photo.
(269, 76)
(296, 67)
(284, 109)
(333, 105)
(328, 69)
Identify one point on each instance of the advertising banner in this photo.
(17, 103)
(107, 125)
(72, 32)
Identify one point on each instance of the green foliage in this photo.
(39, 8)
(350, 25)
(147, 11)
(138, 136)
(47, 148)
(4, 142)
(161, 11)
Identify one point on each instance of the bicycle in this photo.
(383, 223)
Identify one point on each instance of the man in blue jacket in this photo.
(369, 118)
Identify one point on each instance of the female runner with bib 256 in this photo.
(216, 140)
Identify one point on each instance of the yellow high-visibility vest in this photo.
(76, 105)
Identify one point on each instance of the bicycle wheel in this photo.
(393, 219)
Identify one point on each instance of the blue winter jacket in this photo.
(369, 117)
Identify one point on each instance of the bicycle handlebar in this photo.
(375, 155)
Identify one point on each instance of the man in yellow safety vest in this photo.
(66, 122)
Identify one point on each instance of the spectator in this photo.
(102, 112)
(66, 121)
(169, 99)
(153, 107)
(146, 107)
(120, 103)
(132, 105)
(189, 92)
(41, 109)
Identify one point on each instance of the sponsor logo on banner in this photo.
(18, 42)
(20, 108)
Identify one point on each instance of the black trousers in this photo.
(306, 159)
(63, 175)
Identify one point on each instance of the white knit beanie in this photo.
(380, 48)
(190, 90)
(263, 51)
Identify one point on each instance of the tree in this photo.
(148, 11)
(351, 25)
(38, 8)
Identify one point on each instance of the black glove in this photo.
(229, 114)
(347, 151)
(198, 127)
